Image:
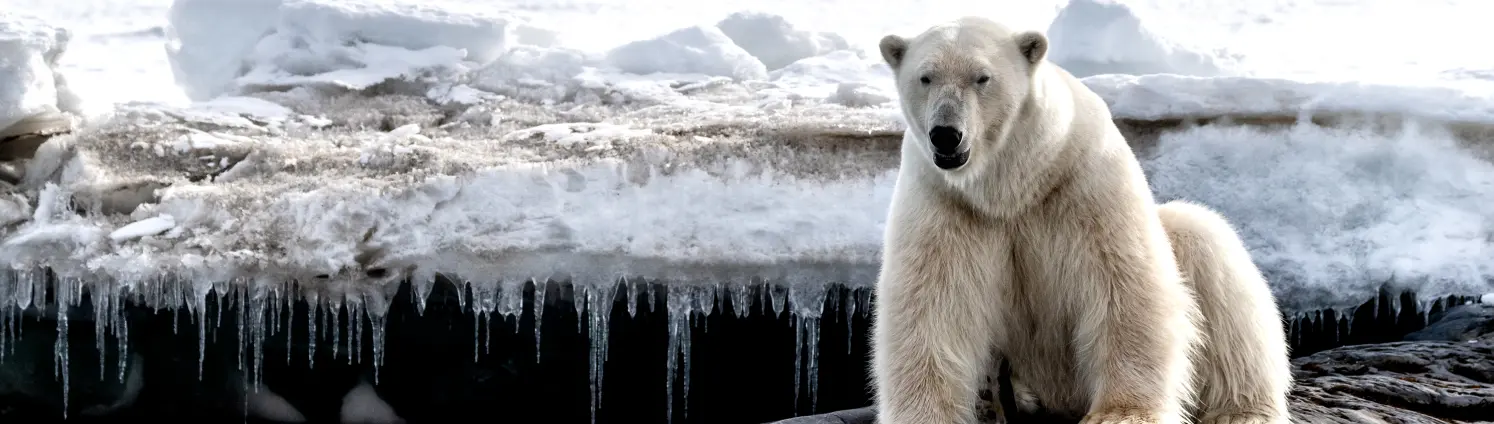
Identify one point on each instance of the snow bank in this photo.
(30, 84)
(774, 41)
(225, 47)
(1160, 97)
(1093, 37)
(209, 41)
(693, 50)
(455, 54)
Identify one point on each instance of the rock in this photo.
(1461, 323)
(1401, 382)
(1395, 383)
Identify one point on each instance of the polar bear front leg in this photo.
(1136, 329)
(935, 324)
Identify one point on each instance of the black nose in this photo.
(946, 139)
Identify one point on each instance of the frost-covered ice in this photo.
(1167, 96)
(30, 84)
(347, 145)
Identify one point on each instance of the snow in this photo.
(1091, 37)
(352, 44)
(1331, 211)
(145, 227)
(695, 50)
(30, 84)
(1168, 96)
(775, 41)
(346, 144)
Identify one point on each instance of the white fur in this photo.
(1046, 249)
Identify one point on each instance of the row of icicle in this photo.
(256, 301)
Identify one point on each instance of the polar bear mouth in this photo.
(951, 161)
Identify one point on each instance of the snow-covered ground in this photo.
(349, 143)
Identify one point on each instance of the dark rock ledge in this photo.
(1447, 376)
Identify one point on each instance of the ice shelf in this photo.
(168, 207)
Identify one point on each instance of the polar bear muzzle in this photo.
(949, 151)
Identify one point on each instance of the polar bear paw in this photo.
(1122, 416)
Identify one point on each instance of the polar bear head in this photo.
(962, 85)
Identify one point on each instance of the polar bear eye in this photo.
(983, 79)
(925, 80)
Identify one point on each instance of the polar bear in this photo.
(1022, 229)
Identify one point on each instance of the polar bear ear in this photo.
(893, 48)
(1033, 45)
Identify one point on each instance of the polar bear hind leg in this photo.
(1242, 374)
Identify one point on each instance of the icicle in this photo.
(809, 306)
(484, 302)
(648, 291)
(291, 289)
(632, 286)
(539, 315)
(1349, 314)
(39, 284)
(258, 302)
(120, 325)
(272, 307)
(5, 288)
(461, 289)
(355, 327)
(741, 299)
(678, 301)
(23, 291)
(578, 299)
(313, 314)
(850, 309)
(199, 311)
(421, 284)
(224, 295)
(100, 297)
(719, 293)
(600, 297)
(9, 331)
(65, 297)
(7, 285)
(378, 312)
(1375, 308)
(697, 293)
(334, 312)
(511, 300)
(778, 295)
(239, 293)
(705, 298)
